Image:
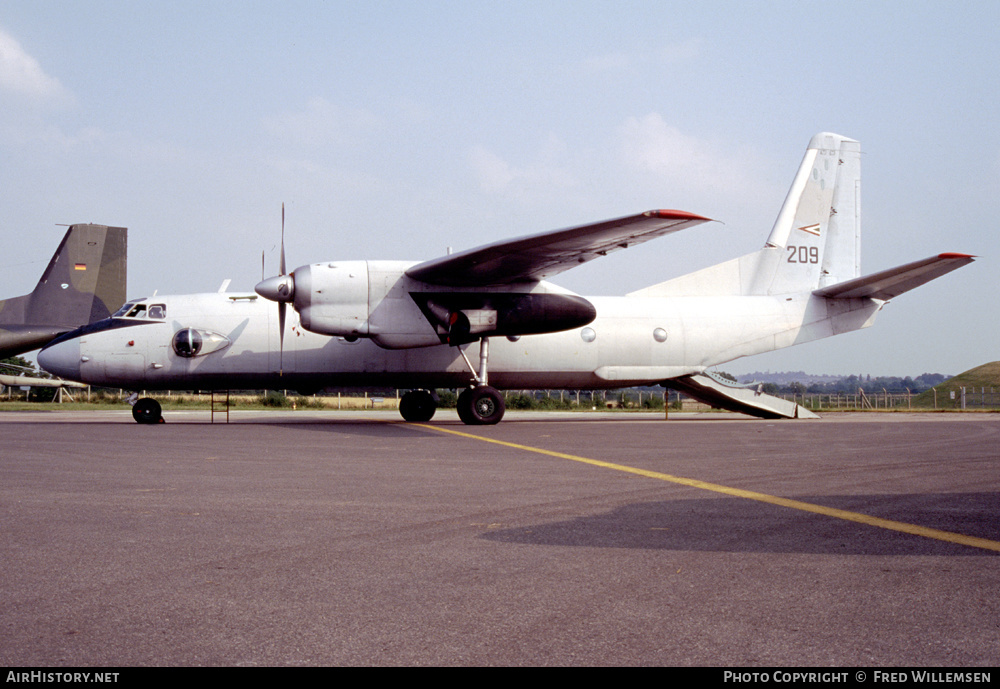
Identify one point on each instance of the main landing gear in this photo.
(480, 405)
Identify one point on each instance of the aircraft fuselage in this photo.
(632, 341)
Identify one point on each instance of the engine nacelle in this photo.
(332, 298)
(377, 300)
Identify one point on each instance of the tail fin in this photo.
(819, 227)
(815, 241)
(84, 282)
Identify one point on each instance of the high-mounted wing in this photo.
(539, 256)
(890, 283)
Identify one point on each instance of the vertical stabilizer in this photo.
(84, 282)
(817, 233)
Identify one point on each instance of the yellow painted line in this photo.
(913, 529)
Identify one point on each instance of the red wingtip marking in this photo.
(676, 215)
(953, 255)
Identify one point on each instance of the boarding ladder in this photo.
(220, 404)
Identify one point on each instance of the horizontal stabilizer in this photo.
(723, 395)
(886, 284)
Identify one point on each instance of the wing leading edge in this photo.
(540, 256)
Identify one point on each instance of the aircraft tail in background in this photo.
(84, 282)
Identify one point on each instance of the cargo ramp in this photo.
(724, 394)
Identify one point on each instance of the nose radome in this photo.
(62, 358)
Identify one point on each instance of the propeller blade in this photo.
(281, 304)
(281, 267)
(280, 288)
(281, 337)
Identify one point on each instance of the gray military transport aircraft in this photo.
(414, 325)
(84, 282)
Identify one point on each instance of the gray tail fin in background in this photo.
(84, 282)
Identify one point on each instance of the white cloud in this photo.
(21, 73)
(651, 145)
(493, 172)
(548, 173)
(669, 158)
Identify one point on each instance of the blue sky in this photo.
(396, 129)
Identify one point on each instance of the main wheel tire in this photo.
(481, 406)
(147, 410)
(464, 407)
(417, 406)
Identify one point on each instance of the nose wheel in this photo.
(147, 410)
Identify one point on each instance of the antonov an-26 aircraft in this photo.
(488, 319)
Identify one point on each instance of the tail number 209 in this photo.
(803, 254)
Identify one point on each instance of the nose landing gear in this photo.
(147, 410)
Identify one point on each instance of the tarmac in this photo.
(353, 538)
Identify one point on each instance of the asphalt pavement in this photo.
(352, 538)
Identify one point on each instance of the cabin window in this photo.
(158, 311)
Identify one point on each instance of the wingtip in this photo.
(675, 215)
(971, 257)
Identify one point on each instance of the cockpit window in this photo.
(140, 310)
